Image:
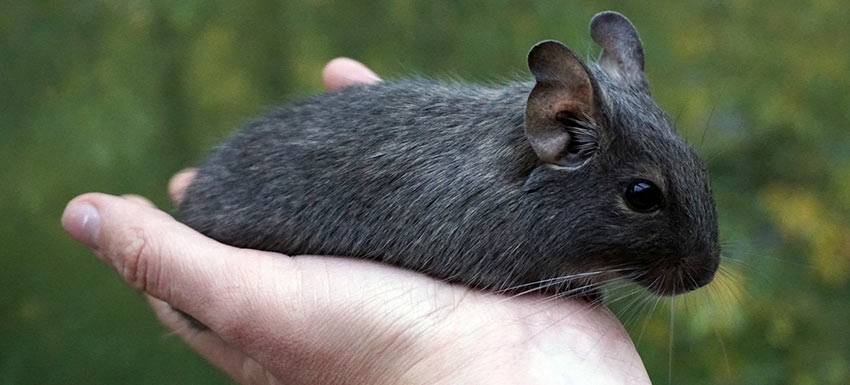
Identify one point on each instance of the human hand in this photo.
(324, 320)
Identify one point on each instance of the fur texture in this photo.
(440, 178)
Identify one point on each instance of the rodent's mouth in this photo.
(676, 280)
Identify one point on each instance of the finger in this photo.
(242, 368)
(251, 299)
(166, 259)
(138, 199)
(178, 184)
(343, 72)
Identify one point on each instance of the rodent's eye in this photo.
(643, 196)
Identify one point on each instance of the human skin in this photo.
(275, 319)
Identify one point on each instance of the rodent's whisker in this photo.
(556, 280)
(671, 333)
(723, 351)
(591, 286)
(630, 311)
(628, 294)
(561, 294)
(651, 313)
(647, 304)
(578, 289)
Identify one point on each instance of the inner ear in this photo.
(561, 110)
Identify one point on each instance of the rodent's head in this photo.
(631, 194)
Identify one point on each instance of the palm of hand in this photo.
(307, 319)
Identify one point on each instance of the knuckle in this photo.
(137, 260)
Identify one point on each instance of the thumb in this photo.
(164, 258)
(285, 313)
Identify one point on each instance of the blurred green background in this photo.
(116, 96)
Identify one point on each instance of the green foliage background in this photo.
(116, 96)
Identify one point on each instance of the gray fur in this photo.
(440, 178)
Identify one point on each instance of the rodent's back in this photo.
(577, 179)
(412, 173)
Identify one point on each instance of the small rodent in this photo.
(578, 172)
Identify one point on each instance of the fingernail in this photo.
(82, 221)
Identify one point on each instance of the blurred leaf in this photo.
(116, 96)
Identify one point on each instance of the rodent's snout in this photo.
(682, 277)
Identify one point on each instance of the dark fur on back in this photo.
(416, 173)
(440, 178)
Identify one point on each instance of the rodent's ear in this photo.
(561, 107)
(622, 51)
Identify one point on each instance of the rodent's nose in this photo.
(682, 278)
